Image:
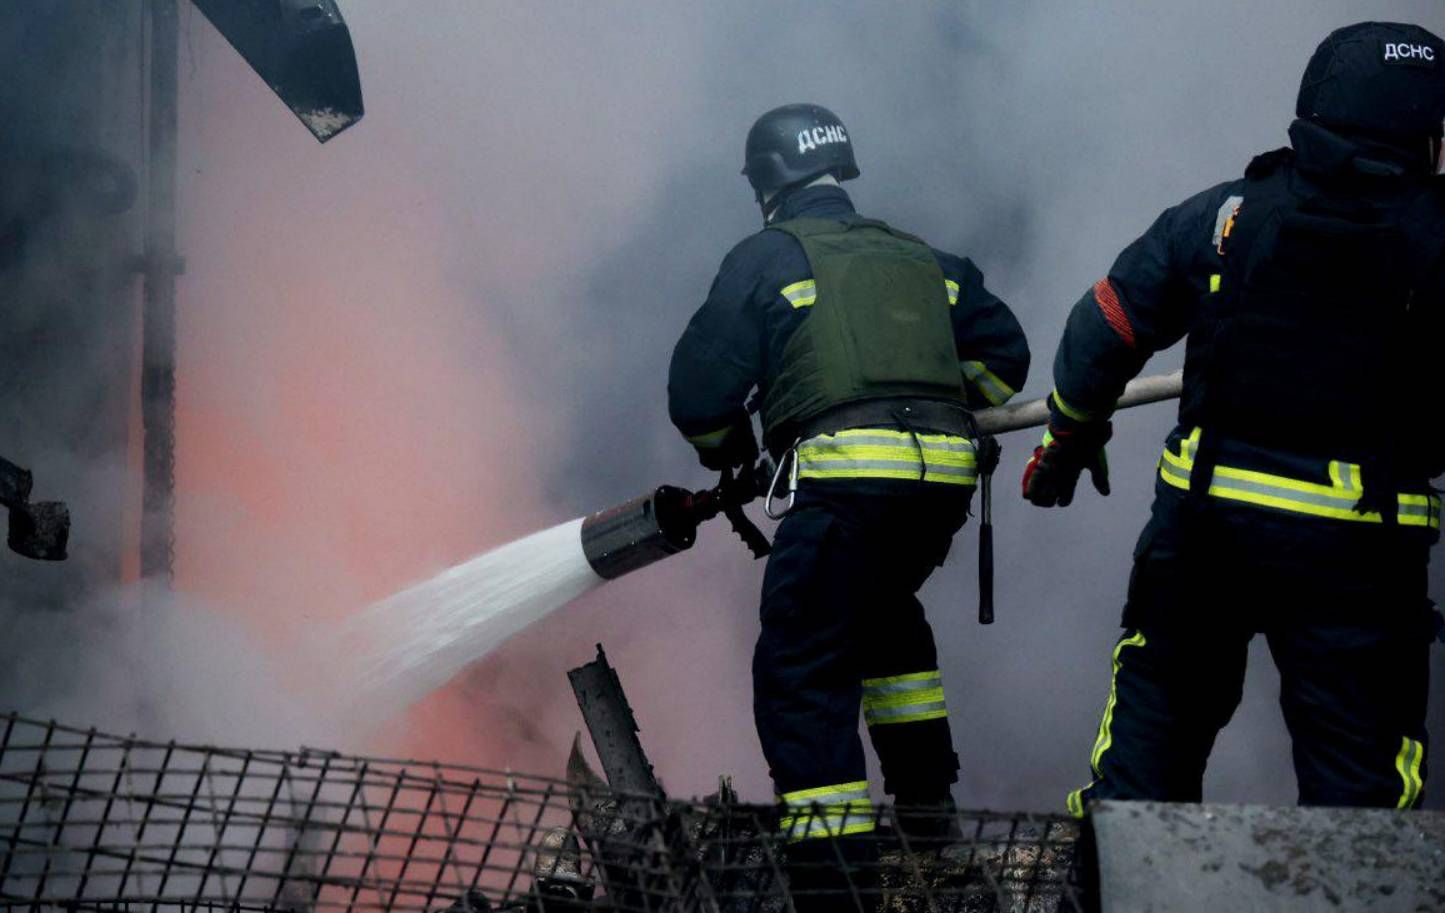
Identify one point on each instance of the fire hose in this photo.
(665, 521)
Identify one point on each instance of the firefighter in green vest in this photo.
(866, 350)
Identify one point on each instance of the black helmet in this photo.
(796, 143)
(1380, 77)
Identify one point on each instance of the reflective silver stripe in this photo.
(800, 294)
(807, 465)
(897, 439)
(910, 698)
(1336, 501)
(952, 291)
(1416, 510)
(922, 684)
(1182, 476)
(821, 799)
(1345, 499)
(994, 390)
(881, 714)
(827, 811)
(884, 453)
(830, 824)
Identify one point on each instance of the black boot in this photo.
(926, 822)
(834, 875)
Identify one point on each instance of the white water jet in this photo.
(412, 643)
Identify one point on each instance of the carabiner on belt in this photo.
(790, 462)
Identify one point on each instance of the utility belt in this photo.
(1340, 499)
(920, 440)
(904, 439)
(909, 413)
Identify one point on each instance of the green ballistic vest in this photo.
(879, 327)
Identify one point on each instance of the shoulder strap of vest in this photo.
(1268, 163)
(895, 232)
(1432, 262)
(809, 226)
(1266, 189)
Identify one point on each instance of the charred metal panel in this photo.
(1157, 857)
(613, 727)
(303, 50)
(37, 530)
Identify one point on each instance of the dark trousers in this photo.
(838, 608)
(1344, 609)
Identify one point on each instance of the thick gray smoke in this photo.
(77, 643)
(1037, 138)
(450, 327)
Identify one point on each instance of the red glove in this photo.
(1053, 473)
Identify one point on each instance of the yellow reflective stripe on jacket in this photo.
(1105, 738)
(886, 453)
(805, 294)
(827, 811)
(1407, 762)
(988, 383)
(1073, 412)
(904, 698)
(711, 439)
(801, 294)
(1335, 501)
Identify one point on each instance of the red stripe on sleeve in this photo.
(1107, 297)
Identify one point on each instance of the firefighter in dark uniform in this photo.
(1293, 499)
(866, 348)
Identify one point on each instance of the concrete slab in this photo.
(1159, 857)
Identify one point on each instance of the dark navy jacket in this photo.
(1155, 291)
(735, 341)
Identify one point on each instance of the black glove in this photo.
(737, 448)
(1052, 475)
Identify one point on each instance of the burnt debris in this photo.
(37, 529)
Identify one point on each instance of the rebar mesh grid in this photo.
(90, 821)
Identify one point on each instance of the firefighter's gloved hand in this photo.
(1053, 473)
(737, 448)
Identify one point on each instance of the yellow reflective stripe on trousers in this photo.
(1075, 801)
(1407, 762)
(1335, 501)
(800, 294)
(952, 291)
(1105, 737)
(909, 698)
(827, 811)
(885, 453)
(988, 383)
